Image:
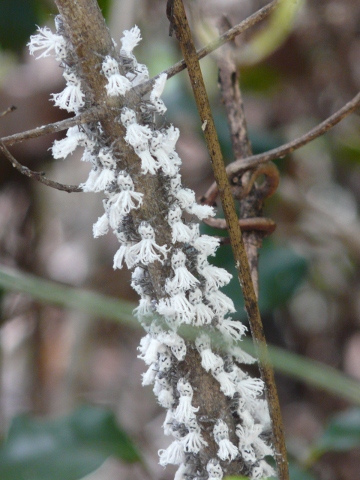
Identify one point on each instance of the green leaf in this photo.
(281, 271)
(279, 26)
(341, 434)
(17, 22)
(296, 366)
(298, 473)
(68, 297)
(67, 448)
(237, 477)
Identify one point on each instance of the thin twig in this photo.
(87, 116)
(243, 164)
(182, 30)
(261, 224)
(39, 176)
(212, 46)
(249, 205)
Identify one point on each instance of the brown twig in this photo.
(87, 116)
(39, 176)
(261, 224)
(182, 30)
(249, 205)
(240, 166)
(212, 46)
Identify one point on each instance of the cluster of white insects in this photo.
(191, 294)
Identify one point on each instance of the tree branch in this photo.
(240, 166)
(232, 100)
(84, 117)
(182, 30)
(39, 176)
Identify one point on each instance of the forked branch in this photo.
(39, 176)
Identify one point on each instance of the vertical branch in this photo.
(180, 25)
(232, 99)
(91, 40)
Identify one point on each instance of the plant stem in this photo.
(183, 34)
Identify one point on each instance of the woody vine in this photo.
(221, 420)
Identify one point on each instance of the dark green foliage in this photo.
(67, 448)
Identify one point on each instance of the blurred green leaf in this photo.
(281, 271)
(262, 78)
(64, 449)
(296, 366)
(341, 434)
(68, 297)
(237, 477)
(298, 473)
(268, 39)
(347, 150)
(17, 22)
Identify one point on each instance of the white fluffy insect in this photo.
(101, 227)
(165, 162)
(164, 392)
(71, 98)
(203, 314)
(66, 146)
(232, 330)
(135, 134)
(49, 42)
(123, 202)
(184, 411)
(124, 252)
(193, 442)
(151, 345)
(171, 137)
(182, 279)
(218, 301)
(214, 276)
(208, 358)
(147, 250)
(251, 446)
(156, 93)
(250, 388)
(117, 83)
(129, 41)
(107, 173)
(177, 306)
(262, 470)
(205, 244)
(175, 343)
(227, 386)
(89, 185)
(227, 450)
(214, 469)
(148, 164)
(180, 231)
(174, 454)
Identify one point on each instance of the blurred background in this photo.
(79, 370)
